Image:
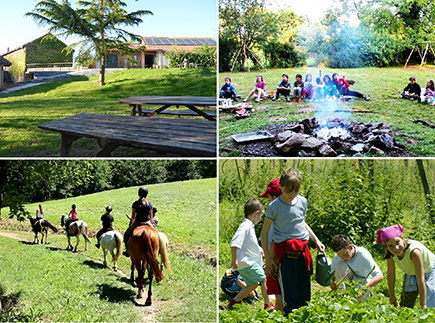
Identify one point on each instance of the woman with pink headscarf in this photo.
(415, 260)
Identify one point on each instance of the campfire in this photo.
(329, 137)
(334, 137)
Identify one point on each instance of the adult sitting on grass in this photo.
(357, 260)
(342, 86)
(412, 91)
(142, 214)
(106, 220)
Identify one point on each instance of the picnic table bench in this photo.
(172, 137)
(179, 113)
(191, 102)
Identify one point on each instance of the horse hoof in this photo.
(133, 284)
(148, 302)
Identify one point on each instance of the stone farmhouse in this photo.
(37, 53)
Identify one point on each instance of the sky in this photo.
(172, 18)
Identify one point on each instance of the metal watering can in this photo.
(324, 273)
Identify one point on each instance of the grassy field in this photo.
(82, 289)
(21, 112)
(382, 85)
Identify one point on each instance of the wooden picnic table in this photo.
(191, 102)
(172, 137)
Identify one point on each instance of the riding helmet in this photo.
(109, 209)
(143, 191)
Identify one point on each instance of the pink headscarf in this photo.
(387, 233)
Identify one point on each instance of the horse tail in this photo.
(84, 230)
(48, 224)
(118, 238)
(164, 251)
(149, 248)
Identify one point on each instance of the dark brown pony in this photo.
(41, 226)
(143, 248)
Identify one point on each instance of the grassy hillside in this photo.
(187, 214)
(21, 112)
(382, 85)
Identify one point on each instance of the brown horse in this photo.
(143, 248)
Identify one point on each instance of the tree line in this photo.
(30, 181)
(356, 33)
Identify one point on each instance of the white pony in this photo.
(75, 229)
(110, 241)
(163, 251)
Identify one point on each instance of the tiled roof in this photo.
(4, 62)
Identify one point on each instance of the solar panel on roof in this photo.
(189, 41)
(149, 41)
(198, 41)
(166, 42)
(180, 41)
(158, 41)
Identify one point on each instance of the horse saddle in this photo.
(73, 229)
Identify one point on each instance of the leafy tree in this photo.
(98, 23)
(86, 57)
(246, 22)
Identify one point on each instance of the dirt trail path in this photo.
(149, 313)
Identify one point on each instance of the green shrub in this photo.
(279, 55)
(204, 55)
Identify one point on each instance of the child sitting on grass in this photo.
(228, 91)
(415, 260)
(356, 259)
(298, 87)
(412, 91)
(319, 89)
(309, 87)
(246, 255)
(259, 91)
(429, 93)
(283, 88)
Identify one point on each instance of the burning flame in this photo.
(331, 121)
(326, 133)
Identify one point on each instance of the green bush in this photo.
(204, 55)
(279, 55)
(227, 49)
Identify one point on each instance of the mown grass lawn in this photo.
(21, 112)
(187, 214)
(383, 85)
